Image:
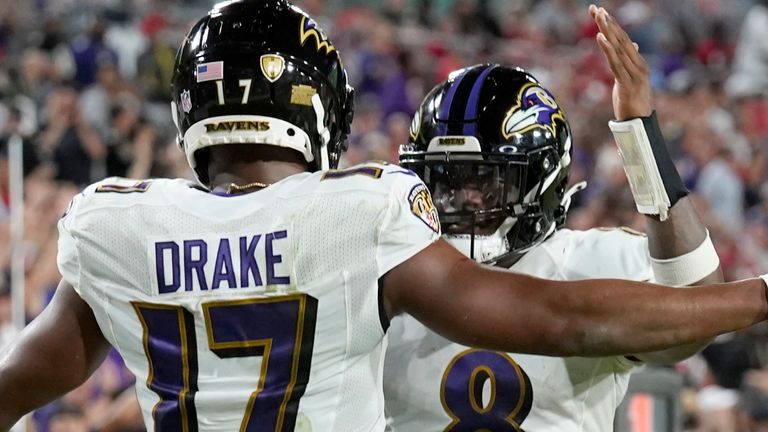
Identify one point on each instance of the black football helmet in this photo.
(494, 148)
(261, 72)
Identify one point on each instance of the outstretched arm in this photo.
(683, 231)
(680, 234)
(56, 353)
(495, 309)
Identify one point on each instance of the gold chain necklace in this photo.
(232, 188)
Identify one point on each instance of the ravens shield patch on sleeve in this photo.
(422, 206)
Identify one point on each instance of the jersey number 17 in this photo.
(278, 329)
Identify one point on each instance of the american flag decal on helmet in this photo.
(210, 71)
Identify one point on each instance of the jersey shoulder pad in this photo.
(121, 185)
(620, 231)
(374, 176)
(120, 192)
(603, 253)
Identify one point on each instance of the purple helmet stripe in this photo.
(470, 128)
(445, 105)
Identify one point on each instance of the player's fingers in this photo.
(592, 11)
(617, 35)
(631, 50)
(606, 27)
(604, 37)
(614, 62)
(622, 44)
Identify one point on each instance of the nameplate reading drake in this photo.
(202, 264)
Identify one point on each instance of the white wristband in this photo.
(687, 268)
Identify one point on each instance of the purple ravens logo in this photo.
(308, 28)
(536, 108)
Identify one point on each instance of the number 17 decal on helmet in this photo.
(292, 80)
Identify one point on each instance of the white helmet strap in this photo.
(245, 129)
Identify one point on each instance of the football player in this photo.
(260, 301)
(494, 148)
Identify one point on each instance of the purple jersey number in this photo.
(279, 329)
(461, 392)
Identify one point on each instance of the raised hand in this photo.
(632, 95)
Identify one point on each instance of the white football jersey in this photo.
(432, 384)
(254, 312)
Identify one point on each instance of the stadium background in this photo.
(85, 84)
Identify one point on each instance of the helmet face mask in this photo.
(493, 147)
(470, 194)
(261, 72)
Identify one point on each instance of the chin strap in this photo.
(565, 203)
(321, 160)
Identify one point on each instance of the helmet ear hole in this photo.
(202, 160)
(348, 111)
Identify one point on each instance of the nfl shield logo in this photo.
(186, 101)
(272, 66)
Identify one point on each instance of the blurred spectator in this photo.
(56, 46)
(34, 79)
(130, 142)
(90, 403)
(97, 100)
(30, 158)
(715, 51)
(717, 409)
(155, 65)
(717, 181)
(753, 245)
(394, 11)
(555, 20)
(393, 92)
(377, 60)
(52, 37)
(397, 128)
(368, 122)
(124, 38)
(729, 357)
(750, 67)
(425, 13)
(68, 418)
(754, 402)
(473, 17)
(89, 51)
(75, 149)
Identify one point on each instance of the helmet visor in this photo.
(472, 196)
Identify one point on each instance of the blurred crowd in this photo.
(85, 85)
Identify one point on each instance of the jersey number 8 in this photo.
(461, 392)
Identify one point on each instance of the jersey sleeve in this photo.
(410, 222)
(67, 257)
(616, 253)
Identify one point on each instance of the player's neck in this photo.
(246, 164)
(266, 172)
